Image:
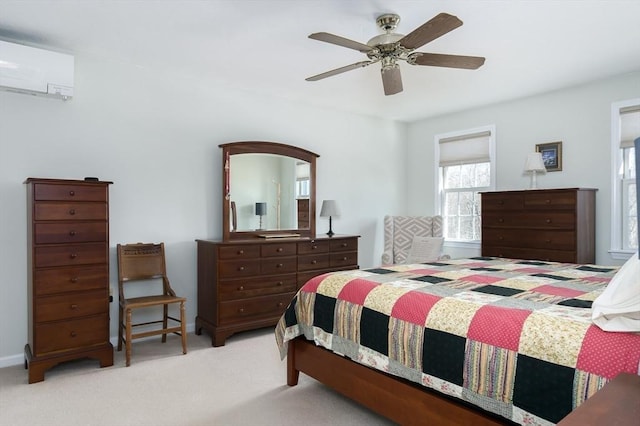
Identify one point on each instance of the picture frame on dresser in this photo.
(551, 155)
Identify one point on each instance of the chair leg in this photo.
(183, 329)
(127, 343)
(165, 322)
(120, 319)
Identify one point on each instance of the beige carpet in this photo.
(242, 383)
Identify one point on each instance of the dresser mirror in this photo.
(268, 190)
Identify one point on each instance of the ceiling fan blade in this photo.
(449, 61)
(437, 26)
(391, 80)
(340, 41)
(340, 70)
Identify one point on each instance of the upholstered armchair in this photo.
(399, 232)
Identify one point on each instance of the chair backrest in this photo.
(399, 232)
(142, 261)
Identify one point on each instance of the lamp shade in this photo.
(261, 209)
(534, 163)
(329, 208)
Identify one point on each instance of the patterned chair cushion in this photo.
(399, 232)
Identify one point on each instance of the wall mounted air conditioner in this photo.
(25, 69)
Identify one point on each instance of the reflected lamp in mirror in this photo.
(534, 165)
(329, 209)
(261, 210)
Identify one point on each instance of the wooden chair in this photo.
(145, 263)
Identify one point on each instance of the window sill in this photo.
(462, 244)
(620, 254)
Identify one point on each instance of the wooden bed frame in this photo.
(392, 397)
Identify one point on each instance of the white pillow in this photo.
(618, 307)
(425, 249)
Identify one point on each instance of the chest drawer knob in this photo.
(344, 245)
(74, 279)
(548, 220)
(241, 310)
(314, 247)
(501, 220)
(73, 255)
(279, 249)
(279, 283)
(73, 306)
(313, 262)
(72, 193)
(548, 241)
(344, 258)
(279, 265)
(240, 251)
(547, 201)
(240, 268)
(280, 305)
(501, 238)
(72, 233)
(241, 288)
(72, 212)
(73, 334)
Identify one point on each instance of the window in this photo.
(465, 164)
(625, 128)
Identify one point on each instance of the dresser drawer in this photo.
(347, 244)
(71, 305)
(347, 258)
(310, 247)
(71, 254)
(280, 265)
(253, 287)
(557, 240)
(501, 201)
(553, 200)
(278, 249)
(61, 335)
(60, 280)
(239, 268)
(70, 211)
(313, 261)
(530, 219)
(532, 254)
(70, 232)
(240, 251)
(70, 192)
(254, 308)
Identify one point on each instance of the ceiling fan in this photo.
(390, 47)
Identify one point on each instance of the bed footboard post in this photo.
(292, 372)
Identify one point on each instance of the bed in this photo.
(467, 341)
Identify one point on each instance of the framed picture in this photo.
(551, 155)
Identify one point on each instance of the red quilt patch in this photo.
(355, 291)
(507, 335)
(414, 307)
(608, 353)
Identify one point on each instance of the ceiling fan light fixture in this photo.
(386, 38)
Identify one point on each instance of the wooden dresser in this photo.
(544, 224)
(247, 284)
(68, 276)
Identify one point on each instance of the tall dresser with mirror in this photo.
(247, 279)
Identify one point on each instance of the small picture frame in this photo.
(551, 155)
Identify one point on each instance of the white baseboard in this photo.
(11, 360)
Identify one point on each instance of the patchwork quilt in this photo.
(513, 337)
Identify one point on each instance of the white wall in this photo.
(580, 117)
(156, 137)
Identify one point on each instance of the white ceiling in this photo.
(262, 46)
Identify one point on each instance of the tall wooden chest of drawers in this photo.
(545, 224)
(68, 276)
(247, 284)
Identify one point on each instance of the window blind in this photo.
(629, 125)
(467, 149)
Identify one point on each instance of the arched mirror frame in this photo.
(256, 147)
